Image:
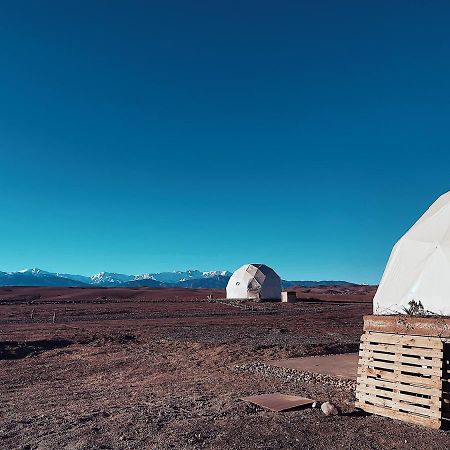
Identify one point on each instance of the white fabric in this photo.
(419, 266)
(254, 281)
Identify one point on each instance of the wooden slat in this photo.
(388, 376)
(396, 404)
(405, 417)
(403, 324)
(391, 348)
(400, 339)
(408, 359)
(431, 402)
(401, 387)
(400, 367)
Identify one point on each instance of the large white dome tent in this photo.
(418, 269)
(254, 281)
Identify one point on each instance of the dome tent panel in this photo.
(254, 281)
(260, 277)
(253, 289)
(238, 284)
(418, 269)
(271, 288)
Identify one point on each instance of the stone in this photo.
(329, 409)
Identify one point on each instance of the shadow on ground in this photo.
(19, 350)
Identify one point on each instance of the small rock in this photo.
(316, 405)
(329, 409)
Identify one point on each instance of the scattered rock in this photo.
(252, 409)
(295, 375)
(329, 409)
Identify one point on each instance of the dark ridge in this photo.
(19, 350)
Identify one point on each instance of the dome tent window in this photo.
(254, 281)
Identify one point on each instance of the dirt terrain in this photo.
(162, 368)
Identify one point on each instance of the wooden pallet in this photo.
(400, 376)
(445, 406)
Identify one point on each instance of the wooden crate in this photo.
(404, 376)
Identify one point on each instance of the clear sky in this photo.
(142, 136)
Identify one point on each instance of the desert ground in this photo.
(112, 368)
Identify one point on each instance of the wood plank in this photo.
(388, 376)
(434, 402)
(401, 387)
(395, 394)
(403, 324)
(400, 339)
(397, 405)
(405, 417)
(400, 367)
(391, 348)
(409, 359)
(400, 406)
(397, 377)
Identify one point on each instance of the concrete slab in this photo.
(278, 402)
(341, 366)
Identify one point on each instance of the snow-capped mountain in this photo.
(215, 279)
(175, 277)
(182, 276)
(35, 272)
(144, 276)
(36, 277)
(39, 277)
(213, 282)
(217, 273)
(110, 278)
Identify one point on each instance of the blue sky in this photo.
(149, 136)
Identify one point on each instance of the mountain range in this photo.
(215, 279)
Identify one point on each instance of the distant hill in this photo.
(287, 284)
(216, 282)
(194, 279)
(145, 283)
(33, 279)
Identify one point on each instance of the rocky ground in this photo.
(155, 369)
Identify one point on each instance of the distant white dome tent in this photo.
(418, 269)
(254, 281)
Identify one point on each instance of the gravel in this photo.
(293, 375)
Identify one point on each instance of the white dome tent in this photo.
(254, 281)
(418, 269)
